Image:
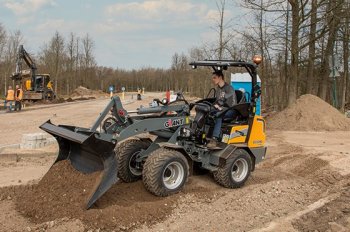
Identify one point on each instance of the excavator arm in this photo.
(23, 55)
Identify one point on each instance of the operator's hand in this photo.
(216, 106)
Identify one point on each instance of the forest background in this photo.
(304, 45)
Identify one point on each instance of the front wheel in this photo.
(236, 170)
(127, 153)
(165, 172)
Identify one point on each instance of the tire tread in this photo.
(122, 152)
(152, 171)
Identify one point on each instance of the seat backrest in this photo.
(242, 109)
(241, 112)
(240, 96)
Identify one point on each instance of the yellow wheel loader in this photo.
(113, 144)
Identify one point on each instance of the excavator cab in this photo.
(42, 81)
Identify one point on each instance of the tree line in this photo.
(304, 45)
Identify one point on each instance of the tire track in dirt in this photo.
(333, 216)
(63, 192)
(288, 180)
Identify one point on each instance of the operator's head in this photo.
(217, 77)
(10, 87)
(17, 86)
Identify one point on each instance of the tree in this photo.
(53, 57)
(3, 38)
(10, 57)
(345, 41)
(72, 48)
(87, 57)
(332, 22)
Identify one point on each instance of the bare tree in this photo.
(87, 58)
(333, 24)
(10, 56)
(72, 60)
(221, 9)
(53, 56)
(346, 39)
(3, 38)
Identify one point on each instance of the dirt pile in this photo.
(84, 92)
(63, 192)
(57, 100)
(309, 113)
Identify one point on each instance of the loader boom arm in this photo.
(127, 125)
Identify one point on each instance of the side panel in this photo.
(237, 134)
(257, 136)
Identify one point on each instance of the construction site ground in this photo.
(303, 185)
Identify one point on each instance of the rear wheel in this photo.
(127, 152)
(165, 172)
(236, 170)
(49, 95)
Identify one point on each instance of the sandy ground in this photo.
(303, 185)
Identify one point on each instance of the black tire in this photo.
(236, 171)
(165, 172)
(129, 170)
(49, 95)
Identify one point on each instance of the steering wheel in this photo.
(108, 122)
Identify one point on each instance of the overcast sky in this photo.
(127, 34)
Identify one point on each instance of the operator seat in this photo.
(241, 109)
(240, 96)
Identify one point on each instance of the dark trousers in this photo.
(18, 105)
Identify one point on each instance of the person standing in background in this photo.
(10, 97)
(18, 98)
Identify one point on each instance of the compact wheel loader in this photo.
(176, 142)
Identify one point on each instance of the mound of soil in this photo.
(63, 192)
(309, 113)
(84, 98)
(82, 91)
(58, 100)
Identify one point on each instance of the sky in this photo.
(127, 34)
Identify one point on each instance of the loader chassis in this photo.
(162, 143)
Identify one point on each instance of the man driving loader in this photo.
(225, 97)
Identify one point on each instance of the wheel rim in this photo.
(173, 175)
(134, 166)
(239, 170)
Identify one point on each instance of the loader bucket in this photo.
(87, 154)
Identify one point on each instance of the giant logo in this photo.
(174, 122)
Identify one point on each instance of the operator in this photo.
(18, 98)
(138, 94)
(225, 97)
(10, 97)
